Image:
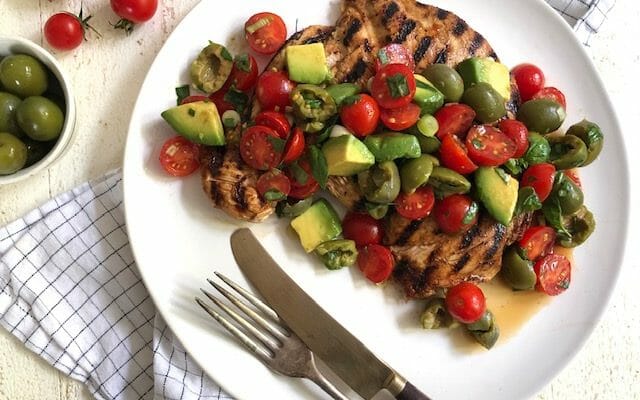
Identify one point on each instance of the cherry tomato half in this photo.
(554, 274)
(454, 119)
(360, 115)
(466, 302)
(401, 118)
(540, 177)
(301, 189)
(179, 156)
(265, 32)
(393, 86)
(518, 132)
(529, 80)
(135, 10)
(294, 147)
(551, 93)
(221, 104)
(194, 98)
(273, 90)
(417, 204)
(276, 121)
(455, 213)
(273, 185)
(574, 175)
(257, 147)
(453, 155)
(244, 74)
(394, 53)
(64, 31)
(489, 147)
(375, 262)
(362, 228)
(537, 241)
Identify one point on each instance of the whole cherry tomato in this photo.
(273, 90)
(529, 79)
(360, 114)
(362, 228)
(375, 262)
(64, 31)
(401, 118)
(540, 177)
(455, 213)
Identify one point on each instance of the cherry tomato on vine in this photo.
(401, 118)
(360, 114)
(529, 79)
(554, 274)
(375, 262)
(417, 204)
(393, 86)
(362, 228)
(257, 147)
(265, 32)
(133, 12)
(466, 302)
(64, 31)
(179, 156)
(455, 213)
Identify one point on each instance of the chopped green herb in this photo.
(527, 200)
(471, 213)
(477, 144)
(398, 86)
(274, 195)
(225, 54)
(243, 63)
(239, 99)
(276, 143)
(299, 174)
(382, 56)
(261, 23)
(351, 100)
(319, 167)
(192, 112)
(182, 92)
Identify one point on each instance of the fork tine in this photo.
(267, 340)
(241, 336)
(277, 331)
(250, 297)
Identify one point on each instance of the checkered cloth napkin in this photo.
(70, 290)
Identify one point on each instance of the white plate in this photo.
(179, 239)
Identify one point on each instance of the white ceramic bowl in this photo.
(17, 45)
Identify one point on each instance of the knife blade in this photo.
(356, 365)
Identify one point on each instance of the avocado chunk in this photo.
(498, 192)
(388, 146)
(307, 63)
(485, 69)
(346, 155)
(198, 122)
(317, 224)
(427, 96)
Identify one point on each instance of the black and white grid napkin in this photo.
(70, 289)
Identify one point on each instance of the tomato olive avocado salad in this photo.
(439, 146)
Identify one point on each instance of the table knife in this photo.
(347, 357)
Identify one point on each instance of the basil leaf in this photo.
(299, 174)
(553, 215)
(242, 62)
(527, 200)
(351, 100)
(398, 86)
(182, 92)
(225, 54)
(239, 99)
(319, 167)
(277, 143)
(515, 166)
(383, 57)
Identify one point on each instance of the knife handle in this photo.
(410, 392)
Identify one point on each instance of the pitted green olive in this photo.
(579, 225)
(312, 106)
(447, 80)
(485, 101)
(487, 338)
(416, 172)
(338, 253)
(377, 211)
(566, 194)
(446, 182)
(517, 270)
(591, 135)
(380, 183)
(541, 115)
(211, 69)
(483, 324)
(539, 149)
(435, 315)
(567, 151)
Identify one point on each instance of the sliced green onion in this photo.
(428, 125)
(230, 119)
(261, 23)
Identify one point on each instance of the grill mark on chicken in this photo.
(356, 72)
(408, 231)
(353, 28)
(442, 14)
(441, 58)
(460, 28)
(498, 234)
(422, 48)
(238, 194)
(462, 262)
(477, 41)
(367, 46)
(320, 37)
(389, 12)
(408, 25)
(494, 56)
(468, 237)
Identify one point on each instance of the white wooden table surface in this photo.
(107, 74)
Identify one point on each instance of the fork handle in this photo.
(314, 375)
(410, 392)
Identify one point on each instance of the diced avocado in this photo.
(317, 224)
(211, 69)
(198, 122)
(346, 155)
(485, 69)
(388, 146)
(307, 63)
(498, 192)
(427, 96)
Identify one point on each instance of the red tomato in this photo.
(551, 93)
(244, 73)
(401, 118)
(393, 86)
(276, 121)
(64, 31)
(465, 302)
(529, 79)
(135, 10)
(537, 241)
(257, 147)
(375, 262)
(454, 119)
(294, 147)
(416, 205)
(453, 155)
(488, 147)
(274, 90)
(193, 99)
(574, 175)
(265, 32)
(554, 274)
(362, 228)
(517, 132)
(308, 185)
(394, 53)
(540, 177)
(455, 213)
(179, 156)
(218, 99)
(273, 185)
(360, 115)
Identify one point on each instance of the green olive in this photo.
(337, 253)
(284, 209)
(541, 115)
(23, 75)
(591, 135)
(517, 271)
(312, 106)
(446, 80)
(40, 118)
(8, 105)
(428, 144)
(377, 211)
(446, 182)
(435, 315)
(415, 172)
(13, 154)
(211, 69)
(380, 183)
(483, 324)
(485, 101)
(566, 194)
(567, 151)
(487, 338)
(579, 226)
(36, 150)
(539, 149)
(341, 91)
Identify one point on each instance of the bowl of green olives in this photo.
(37, 109)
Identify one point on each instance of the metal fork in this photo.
(276, 346)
